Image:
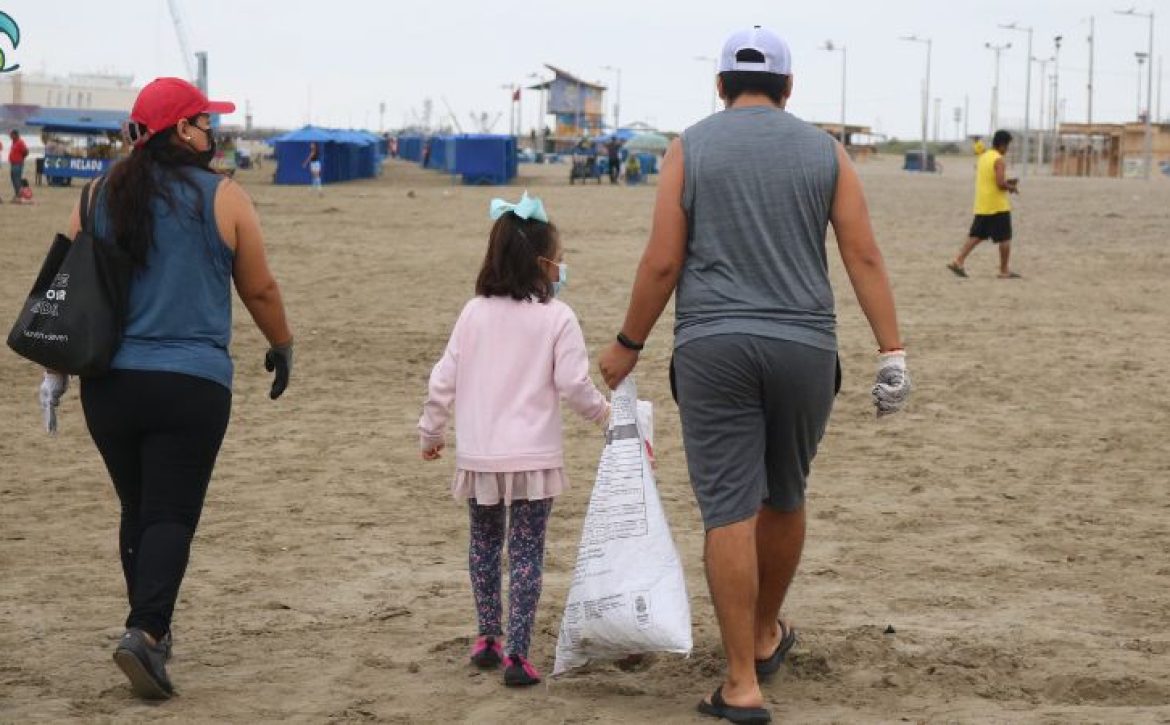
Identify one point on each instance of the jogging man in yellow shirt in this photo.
(993, 209)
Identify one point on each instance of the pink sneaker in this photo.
(487, 653)
(520, 672)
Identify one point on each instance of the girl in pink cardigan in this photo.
(515, 352)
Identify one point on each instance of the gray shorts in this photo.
(753, 411)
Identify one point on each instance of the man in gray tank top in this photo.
(744, 201)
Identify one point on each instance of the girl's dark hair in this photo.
(134, 183)
(511, 267)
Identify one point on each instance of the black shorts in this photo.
(996, 227)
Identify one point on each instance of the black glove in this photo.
(279, 360)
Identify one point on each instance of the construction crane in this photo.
(482, 123)
(454, 119)
(184, 43)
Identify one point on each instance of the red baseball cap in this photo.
(166, 101)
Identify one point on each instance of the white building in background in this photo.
(76, 90)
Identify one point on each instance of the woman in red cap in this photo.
(159, 416)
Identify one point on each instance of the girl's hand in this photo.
(433, 453)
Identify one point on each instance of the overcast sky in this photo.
(335, 61)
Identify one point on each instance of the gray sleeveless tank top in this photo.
(758, 188)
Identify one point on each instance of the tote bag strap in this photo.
(89, 197)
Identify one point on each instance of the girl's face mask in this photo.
(562, 275)
(562, 278)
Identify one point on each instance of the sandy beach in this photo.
(1011, 526)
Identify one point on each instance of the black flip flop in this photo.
(718, 707)
(769, 667)
(959, 271)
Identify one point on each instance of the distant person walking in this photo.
(744, 201)
(159, 416)
(313, 161)
(614, 149)
(16, 156)
(993, 208)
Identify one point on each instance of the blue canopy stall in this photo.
(91, 147)
(410, 148)
(292, 149)
(485, 158)
(380, 150)
(359, 153)
(345, 155)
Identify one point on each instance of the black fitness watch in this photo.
(629, 344)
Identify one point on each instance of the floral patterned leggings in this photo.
(525, 535)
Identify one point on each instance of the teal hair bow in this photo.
(529, 207)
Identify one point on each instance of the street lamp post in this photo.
(1056, 95)
(1043, 116)
(925, 94)
(830, 46)
(511, 89)
(617, 104)
(1141, 58)
(1027, 94)
(1092, 44)
(715, 67)
(540, 120)
(1149, 145)
(577, 110)
(997, 49)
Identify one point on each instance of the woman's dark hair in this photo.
(738, 82)
(1001, 138)
(134, 183)
(511, 267)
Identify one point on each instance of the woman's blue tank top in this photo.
(180, 312)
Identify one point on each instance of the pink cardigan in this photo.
(505, 367)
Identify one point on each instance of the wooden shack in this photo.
(1109, 149)
(859, 141)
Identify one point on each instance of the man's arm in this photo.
(658, 272)
(861, 256)
(1001, 180)
(665, 253)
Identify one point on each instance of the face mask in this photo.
(562, 278)
(206, 157)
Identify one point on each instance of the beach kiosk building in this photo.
(577, 107)
(82, 144)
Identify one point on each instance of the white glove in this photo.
(892, 388)
(52, 388)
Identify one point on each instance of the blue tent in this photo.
(622, 134)
(292, 149)
(484, 158)
(345, 155)
(410, 148)
(442, 153)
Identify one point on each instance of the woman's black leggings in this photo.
(159, 434)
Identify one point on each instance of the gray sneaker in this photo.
(144, 664)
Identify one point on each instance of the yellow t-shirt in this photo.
(989, 198)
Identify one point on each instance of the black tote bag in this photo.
(73, 318)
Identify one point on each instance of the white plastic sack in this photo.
(628, 593)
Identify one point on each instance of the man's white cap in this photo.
(777, 57)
